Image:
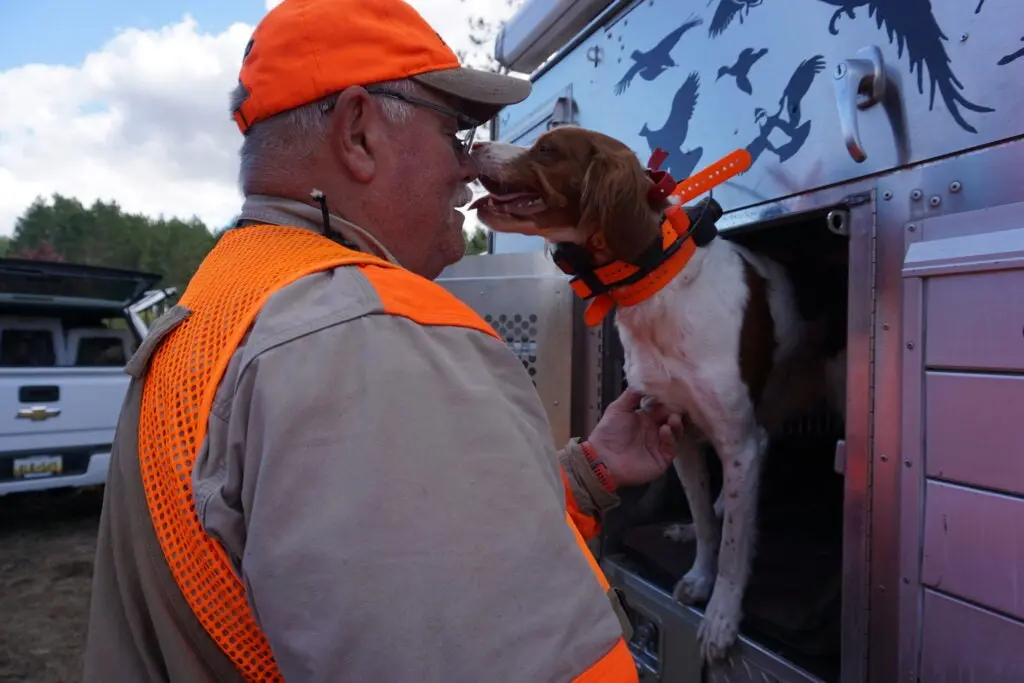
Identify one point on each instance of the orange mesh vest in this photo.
(224, 296)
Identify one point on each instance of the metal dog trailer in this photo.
(888, 176)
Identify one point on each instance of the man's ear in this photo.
(614, 201)
(357, 133)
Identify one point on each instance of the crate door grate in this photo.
(519, 332)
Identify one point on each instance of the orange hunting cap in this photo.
(303, 50)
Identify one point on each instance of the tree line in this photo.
(103, 234)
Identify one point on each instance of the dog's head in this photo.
(570, 185)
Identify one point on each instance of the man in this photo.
(327, 468)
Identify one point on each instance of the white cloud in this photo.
(144, 120)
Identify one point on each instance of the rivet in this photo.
(907, 463)
(916, 195)
(935, 201)
(884, 457)
(887, 195)
(912, 227)
(955, 186)
(906, 579)
(885, 326)
(555, 402)
(910, 345)
(963, 37)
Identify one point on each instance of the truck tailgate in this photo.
(54, 409)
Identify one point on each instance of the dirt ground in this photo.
(47, 543)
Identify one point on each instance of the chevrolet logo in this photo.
(37, 413)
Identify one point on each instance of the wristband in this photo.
(599, 468)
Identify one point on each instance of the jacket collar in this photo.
(280, 211)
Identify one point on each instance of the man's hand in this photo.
(636, 446)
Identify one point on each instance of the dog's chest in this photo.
(684, 341)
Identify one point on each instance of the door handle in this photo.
(37, 413)
(860, 83)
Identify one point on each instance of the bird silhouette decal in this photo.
(741, 69)
(672, 135)
(789, 117)
(912, 26)
(728, 10)
(1013, 56)
(651, 64)
(799, 83)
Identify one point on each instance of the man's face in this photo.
(429, 179)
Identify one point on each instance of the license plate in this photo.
(37, 466)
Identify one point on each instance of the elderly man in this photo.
(327, 468)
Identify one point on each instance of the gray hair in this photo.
(272, 145)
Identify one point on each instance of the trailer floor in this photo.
(47, 544)
(792, 604)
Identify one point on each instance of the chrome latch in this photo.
(860, 83)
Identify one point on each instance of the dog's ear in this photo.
(614, 201)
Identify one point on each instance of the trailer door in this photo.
(962, 474)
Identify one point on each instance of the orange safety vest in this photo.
(227, 291)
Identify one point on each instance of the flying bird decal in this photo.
(651, 64)
(728, 10)
(741, 68)
(672, 135)
(911, 24)
(789, 117)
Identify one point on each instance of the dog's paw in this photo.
(694, 587)
(719, 627)
(680, 533)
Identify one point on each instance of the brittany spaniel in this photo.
(722, 342)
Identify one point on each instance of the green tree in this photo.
(104, 235)
(477, 242)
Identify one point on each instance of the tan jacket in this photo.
(388, 493)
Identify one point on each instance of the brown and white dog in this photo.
(722, 342)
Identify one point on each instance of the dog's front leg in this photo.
(742, 456)
(684, 533)
(696, 584)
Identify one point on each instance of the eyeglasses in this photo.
(462, 140)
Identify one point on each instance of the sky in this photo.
(126, 101)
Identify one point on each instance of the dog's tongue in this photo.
(500, 199)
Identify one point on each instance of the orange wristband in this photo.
(599, 468)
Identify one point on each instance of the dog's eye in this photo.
(545, 150)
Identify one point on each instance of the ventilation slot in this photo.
(519, 332)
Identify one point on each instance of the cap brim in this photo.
(486, 92)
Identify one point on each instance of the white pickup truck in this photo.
(66, 332)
